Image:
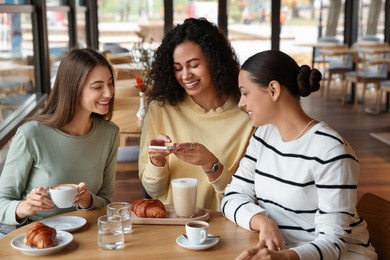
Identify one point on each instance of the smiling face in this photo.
(192, 69)
(97, 91)
(255, 100)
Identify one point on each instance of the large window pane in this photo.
(249, 26)
(128, 22)
(53, 2)
(81, 30)
(58, 35)
(14, 1)
(372, 20)
(57, 22)
(184, 9)
(17, 81)
(306, 22)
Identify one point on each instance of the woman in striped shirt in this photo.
(296, 184)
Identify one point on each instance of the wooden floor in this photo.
(355, 127)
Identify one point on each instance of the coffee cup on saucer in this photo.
(197, 232)
(63, 195)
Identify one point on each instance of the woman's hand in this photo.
(158, 156)
(83, 198)
(263, 253)
(37, 200)
(195, 153)
(269, 234)
(255, 253)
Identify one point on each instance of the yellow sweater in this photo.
(224, 131)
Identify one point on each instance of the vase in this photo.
(141, 110)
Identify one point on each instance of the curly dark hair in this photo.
(221, 57)
(266, 66)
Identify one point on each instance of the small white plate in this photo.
(65, 223)
(183, 242)
(62, 239)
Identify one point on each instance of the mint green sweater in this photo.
(40, 156)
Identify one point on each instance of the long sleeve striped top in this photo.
(308, 187)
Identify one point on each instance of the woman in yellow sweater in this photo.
(193, 105)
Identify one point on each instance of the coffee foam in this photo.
(64, 187)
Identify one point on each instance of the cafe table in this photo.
(147, 241)
(319, 44)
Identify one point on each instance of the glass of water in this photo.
(110, 233)
(122, 209)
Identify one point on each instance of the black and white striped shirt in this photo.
(307, 186)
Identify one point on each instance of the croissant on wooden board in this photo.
(148, 208)
(40, 236)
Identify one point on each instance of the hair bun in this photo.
(308, 80)
(315, 79)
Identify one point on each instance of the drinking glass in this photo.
(122, 209)
(110, 233)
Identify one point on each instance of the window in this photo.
(22, 83)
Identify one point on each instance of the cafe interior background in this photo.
(34, 34)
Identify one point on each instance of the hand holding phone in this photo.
(162, 147)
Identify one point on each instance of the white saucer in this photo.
(65, 223)
(62, 239)
(183, 242)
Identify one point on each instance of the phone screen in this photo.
(162, 147)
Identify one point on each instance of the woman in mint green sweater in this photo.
(71, 141)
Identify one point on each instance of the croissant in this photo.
(148, 208)
(40, 236)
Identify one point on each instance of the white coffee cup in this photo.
(63, 195)
(197, 232)
(184, 191)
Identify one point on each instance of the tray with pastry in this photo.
(153, 211)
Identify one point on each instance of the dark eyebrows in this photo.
(101, 81)
(193, 59)
(96, 82)
(189, 61)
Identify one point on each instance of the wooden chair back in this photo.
(376, 212)
(122, 58)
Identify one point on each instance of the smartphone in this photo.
(162, 147)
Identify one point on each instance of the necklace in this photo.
(304, 129)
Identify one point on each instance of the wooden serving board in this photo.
(171, 219)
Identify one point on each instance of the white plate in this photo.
(65, 223)
(183, 242)
(62, 239)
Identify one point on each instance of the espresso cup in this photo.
(63, 195)
(197, 232)
(184, 191)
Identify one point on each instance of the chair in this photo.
(340, 62)
(127, 158)
(119, 58)
(384, 88)
(364, 73)
(371, 38)
(318, 59)
(376, 212)
(114, 48)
